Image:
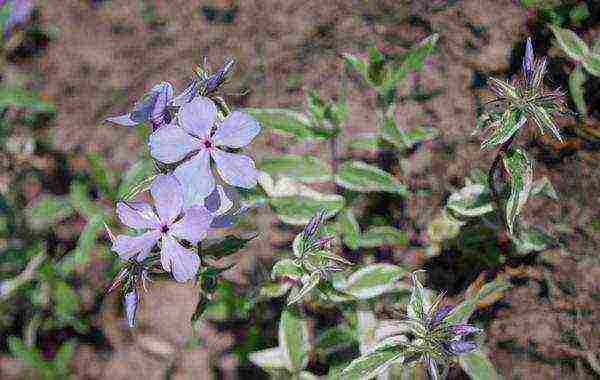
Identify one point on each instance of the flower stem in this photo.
(503, 149)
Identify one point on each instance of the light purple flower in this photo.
(193, 139)
(20, 11)
(165, 226)
(463, 330)
(440, 315)
(528, 63)
(130, 303)
(459, 347)
(151, 107)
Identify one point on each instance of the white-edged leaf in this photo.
(302, 168)
(349, 228)
(592, 64)
(463, 311)
(357, 64)
(380, 236)
(532, 239)
(134, 175)
(373, 281)
(415, 58)
(294, 340)
(308, 284)
(520, 176)
(571, 44)
(576, 81)
(419, 304)
(372, 364)
(478, 366)
(472, 200)
(510, 123)
(362, 177)
(286, 268)
(544, 187)
(284, 121)
(271, 358)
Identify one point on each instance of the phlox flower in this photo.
(193, 138)
(166, 223)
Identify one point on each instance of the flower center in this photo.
(208, 144)
(164, 229)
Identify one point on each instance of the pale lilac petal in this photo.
(236, 131)
(124, 120)
(153, 103)
(137, 215)
(198, 116)
(168, 198)
(186, 95)
(171, 144)
(130, 303)
(213, 201)
(236, 169)
(194, 224)
(196, 178)
(181, 262)
(164, 91)
(128, 246)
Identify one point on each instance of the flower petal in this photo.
(236, 169)
(127, 246)
(137, 215)
(196, 178)
(164, 94)
(181, 262)
(198, 116)
(194, 224)
(168, 197)
(171, 143)
(130, 303)
(237, 130)
(124, 120)
(153, 103)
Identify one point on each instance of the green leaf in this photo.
(372, 281)
(472, 200)
(419, 304)
(520, 177)
(335, 339)
(80, 256)
(302, 168)
(576, 81)
(286, 268)
(201, 307)
(380, 236)
(504, 128)
(571, 44)
(226, 246)
(544, 187)
(47, 211)
(414, 60)
(30, 356)
(362, 177)
(79, 196)
(294, 340)
(372, 364)
(366, 142)
(349, 228)
(592, 64)
(19, 97)
(271, 358)
(63, 356)
(308, 284)
(285, 121)
(357, 64)
(532, 239)
(544, 119)
(477, 365)
(298, 210)
(135, 175)
(463, 311)
(101, 174)
(316, 106)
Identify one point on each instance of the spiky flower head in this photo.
(524, 99)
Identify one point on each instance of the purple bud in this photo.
(459, 347)
(130, 301)
(528, 61)
(441, 314)
(218, 78)
(463, 329)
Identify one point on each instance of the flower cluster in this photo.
(191, 134)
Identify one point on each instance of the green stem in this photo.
(503, 149)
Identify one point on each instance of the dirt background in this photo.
(108, 53)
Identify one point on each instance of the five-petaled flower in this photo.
(169, 224)
(193, 139)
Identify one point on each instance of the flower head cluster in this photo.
(166, 223)
(525, 99)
